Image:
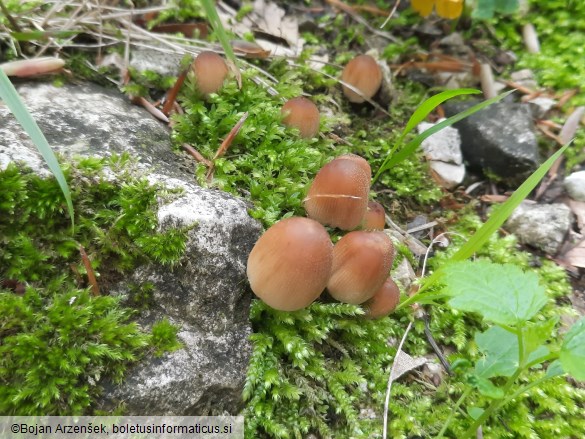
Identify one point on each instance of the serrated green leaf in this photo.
(502, 294)
(500, 349)
(572, 354)
(10, 96)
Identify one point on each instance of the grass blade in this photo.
(410, 147)
(430, 104)
(10, 96)
(213, 18)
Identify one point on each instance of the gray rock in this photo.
(86, 120)
(158, 61)
(443, 150)
(500, 139)
(524, 77)
(205, 294)
(543, 226)
(574, 184)
(541, 105)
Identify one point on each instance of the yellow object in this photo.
(423, 7)
(449, 8)
(445, 8)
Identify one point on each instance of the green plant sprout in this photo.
(510, 299)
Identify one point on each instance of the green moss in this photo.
(164, 337)
(560, 26)
(58, 341)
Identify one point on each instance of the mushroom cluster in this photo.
(295, 261)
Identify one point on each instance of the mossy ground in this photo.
(314, 370)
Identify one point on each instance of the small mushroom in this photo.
(384, 301)
(361, 263)
(338, 196)
(290, 264)
(210, 71)
(302, 114)
(375, 217)
(364, 73)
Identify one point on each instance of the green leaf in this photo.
(555, 369)
(10, 96)
(572, 354)
(411, 146)
(502, 294)
(484, 10)
(475, 412)
(487, 388)
(500, 349)
(43, 35)
(506, 6)
(535, 334)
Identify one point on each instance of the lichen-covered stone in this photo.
(543, 226)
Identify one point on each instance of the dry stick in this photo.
(197, 155)
(139, 100)
(174, 91)
(392, 12)
(351, 12)
(226, 143)
(95, 290)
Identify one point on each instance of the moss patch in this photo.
(58, 341)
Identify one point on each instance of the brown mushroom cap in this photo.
(338, 196)
(290, 264)
(210, 71)
(384, 301)
(302, 114)
(375, 217)
(361, 264)
(364, 73)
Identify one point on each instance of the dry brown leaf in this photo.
(249, 49)
(578, 208)
(576, 256)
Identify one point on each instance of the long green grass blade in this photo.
(498, 217)
(213, 17)
(430, 104)
(10, 96)
(411, 146)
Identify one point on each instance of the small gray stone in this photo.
(541, 105)
(158, 61)
(524, 77)
(448, 175)
(444, 145)
(543, 226)
(575, 185)
(500, 139)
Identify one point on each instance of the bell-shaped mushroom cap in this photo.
(302, 114)
(361, 263)
(338, 196)
(210, 71)
(375, 217)
(364, 73)
(384, 301)
(290, 264)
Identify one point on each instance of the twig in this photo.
(95, 290)
(197, 155)
(10, 18)
(392, 12)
